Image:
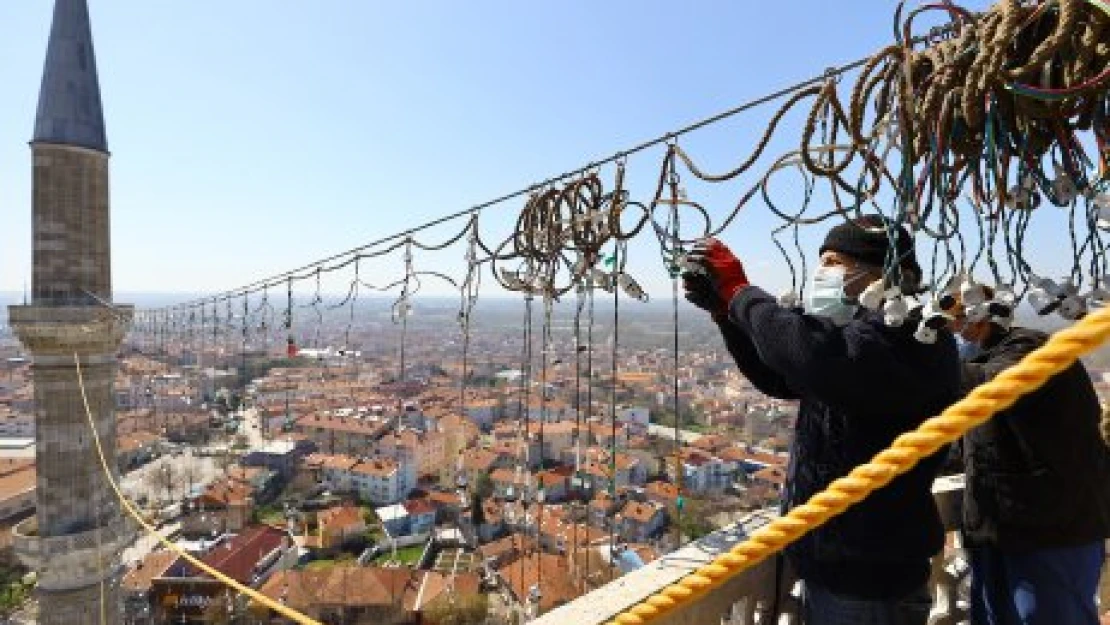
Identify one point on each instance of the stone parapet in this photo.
(749, 598)
(64, 330)
(72, 561)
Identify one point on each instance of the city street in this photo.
(252, 428)
(146, 543)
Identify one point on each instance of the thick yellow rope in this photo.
(1062, 349)
(281, 609)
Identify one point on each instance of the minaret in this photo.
(75, 539)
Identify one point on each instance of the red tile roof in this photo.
(419, 506)
(238, 557)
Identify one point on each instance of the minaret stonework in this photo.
(77, 534)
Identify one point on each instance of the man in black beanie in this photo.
(860, 383)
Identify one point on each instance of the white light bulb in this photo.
(512, 280)
(1098, 296)
(925, 334)
(972, 293)
(895, 311)
(1102, 217)
(872, 296)
(1049, 286)
(789, 299)
(602, 280)
(630, 287)
(977, 313)
(1005, 295)
(1041, 301)
(1072, 308)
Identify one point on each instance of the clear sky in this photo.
(252, 136)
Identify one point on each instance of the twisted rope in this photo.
(1059, 353)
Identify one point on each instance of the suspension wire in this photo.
(674, 317)
(554, 179)
(618, 266)
(469, 296)
(576, 500)
(589, 383)
(524, 401)
(545, 338)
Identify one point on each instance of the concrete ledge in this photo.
(628, 590)
(745, 596)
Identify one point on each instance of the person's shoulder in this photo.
(1024, 337)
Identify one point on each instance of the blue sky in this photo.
(250, 137)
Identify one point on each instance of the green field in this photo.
(404, 555)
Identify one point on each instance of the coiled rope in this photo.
(1059, 353)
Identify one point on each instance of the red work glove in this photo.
(720, 270)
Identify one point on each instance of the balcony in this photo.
(747, 598)
(71, 560)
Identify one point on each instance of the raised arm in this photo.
(853, 365)
(762, 377)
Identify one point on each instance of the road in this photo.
(146, 543)
(252, 428)
(665, 431)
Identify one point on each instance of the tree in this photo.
(190, 474)
(483, 486)
(162, 478)
(693, 520)
(452, 609)
(477, 513)
(13, 591)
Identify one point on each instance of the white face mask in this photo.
(827, 297)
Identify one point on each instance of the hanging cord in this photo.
(524, 438)
(402, 309)
(541, 499)
(675, 272)
(580, 302)
(291, 343)
(469, 296)
(589, 377)
(245, 330)
(314, 304)
(618, 263)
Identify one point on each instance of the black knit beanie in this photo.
(867, 240)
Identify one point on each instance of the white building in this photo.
(635, 417)
(17, 424)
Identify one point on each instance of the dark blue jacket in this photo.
(860, 385)
(1038, 473)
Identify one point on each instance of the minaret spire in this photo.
(69, 110)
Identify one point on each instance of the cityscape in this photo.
(555, 445)
(348, 468)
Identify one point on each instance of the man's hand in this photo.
(721, 279)
(701, 293)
